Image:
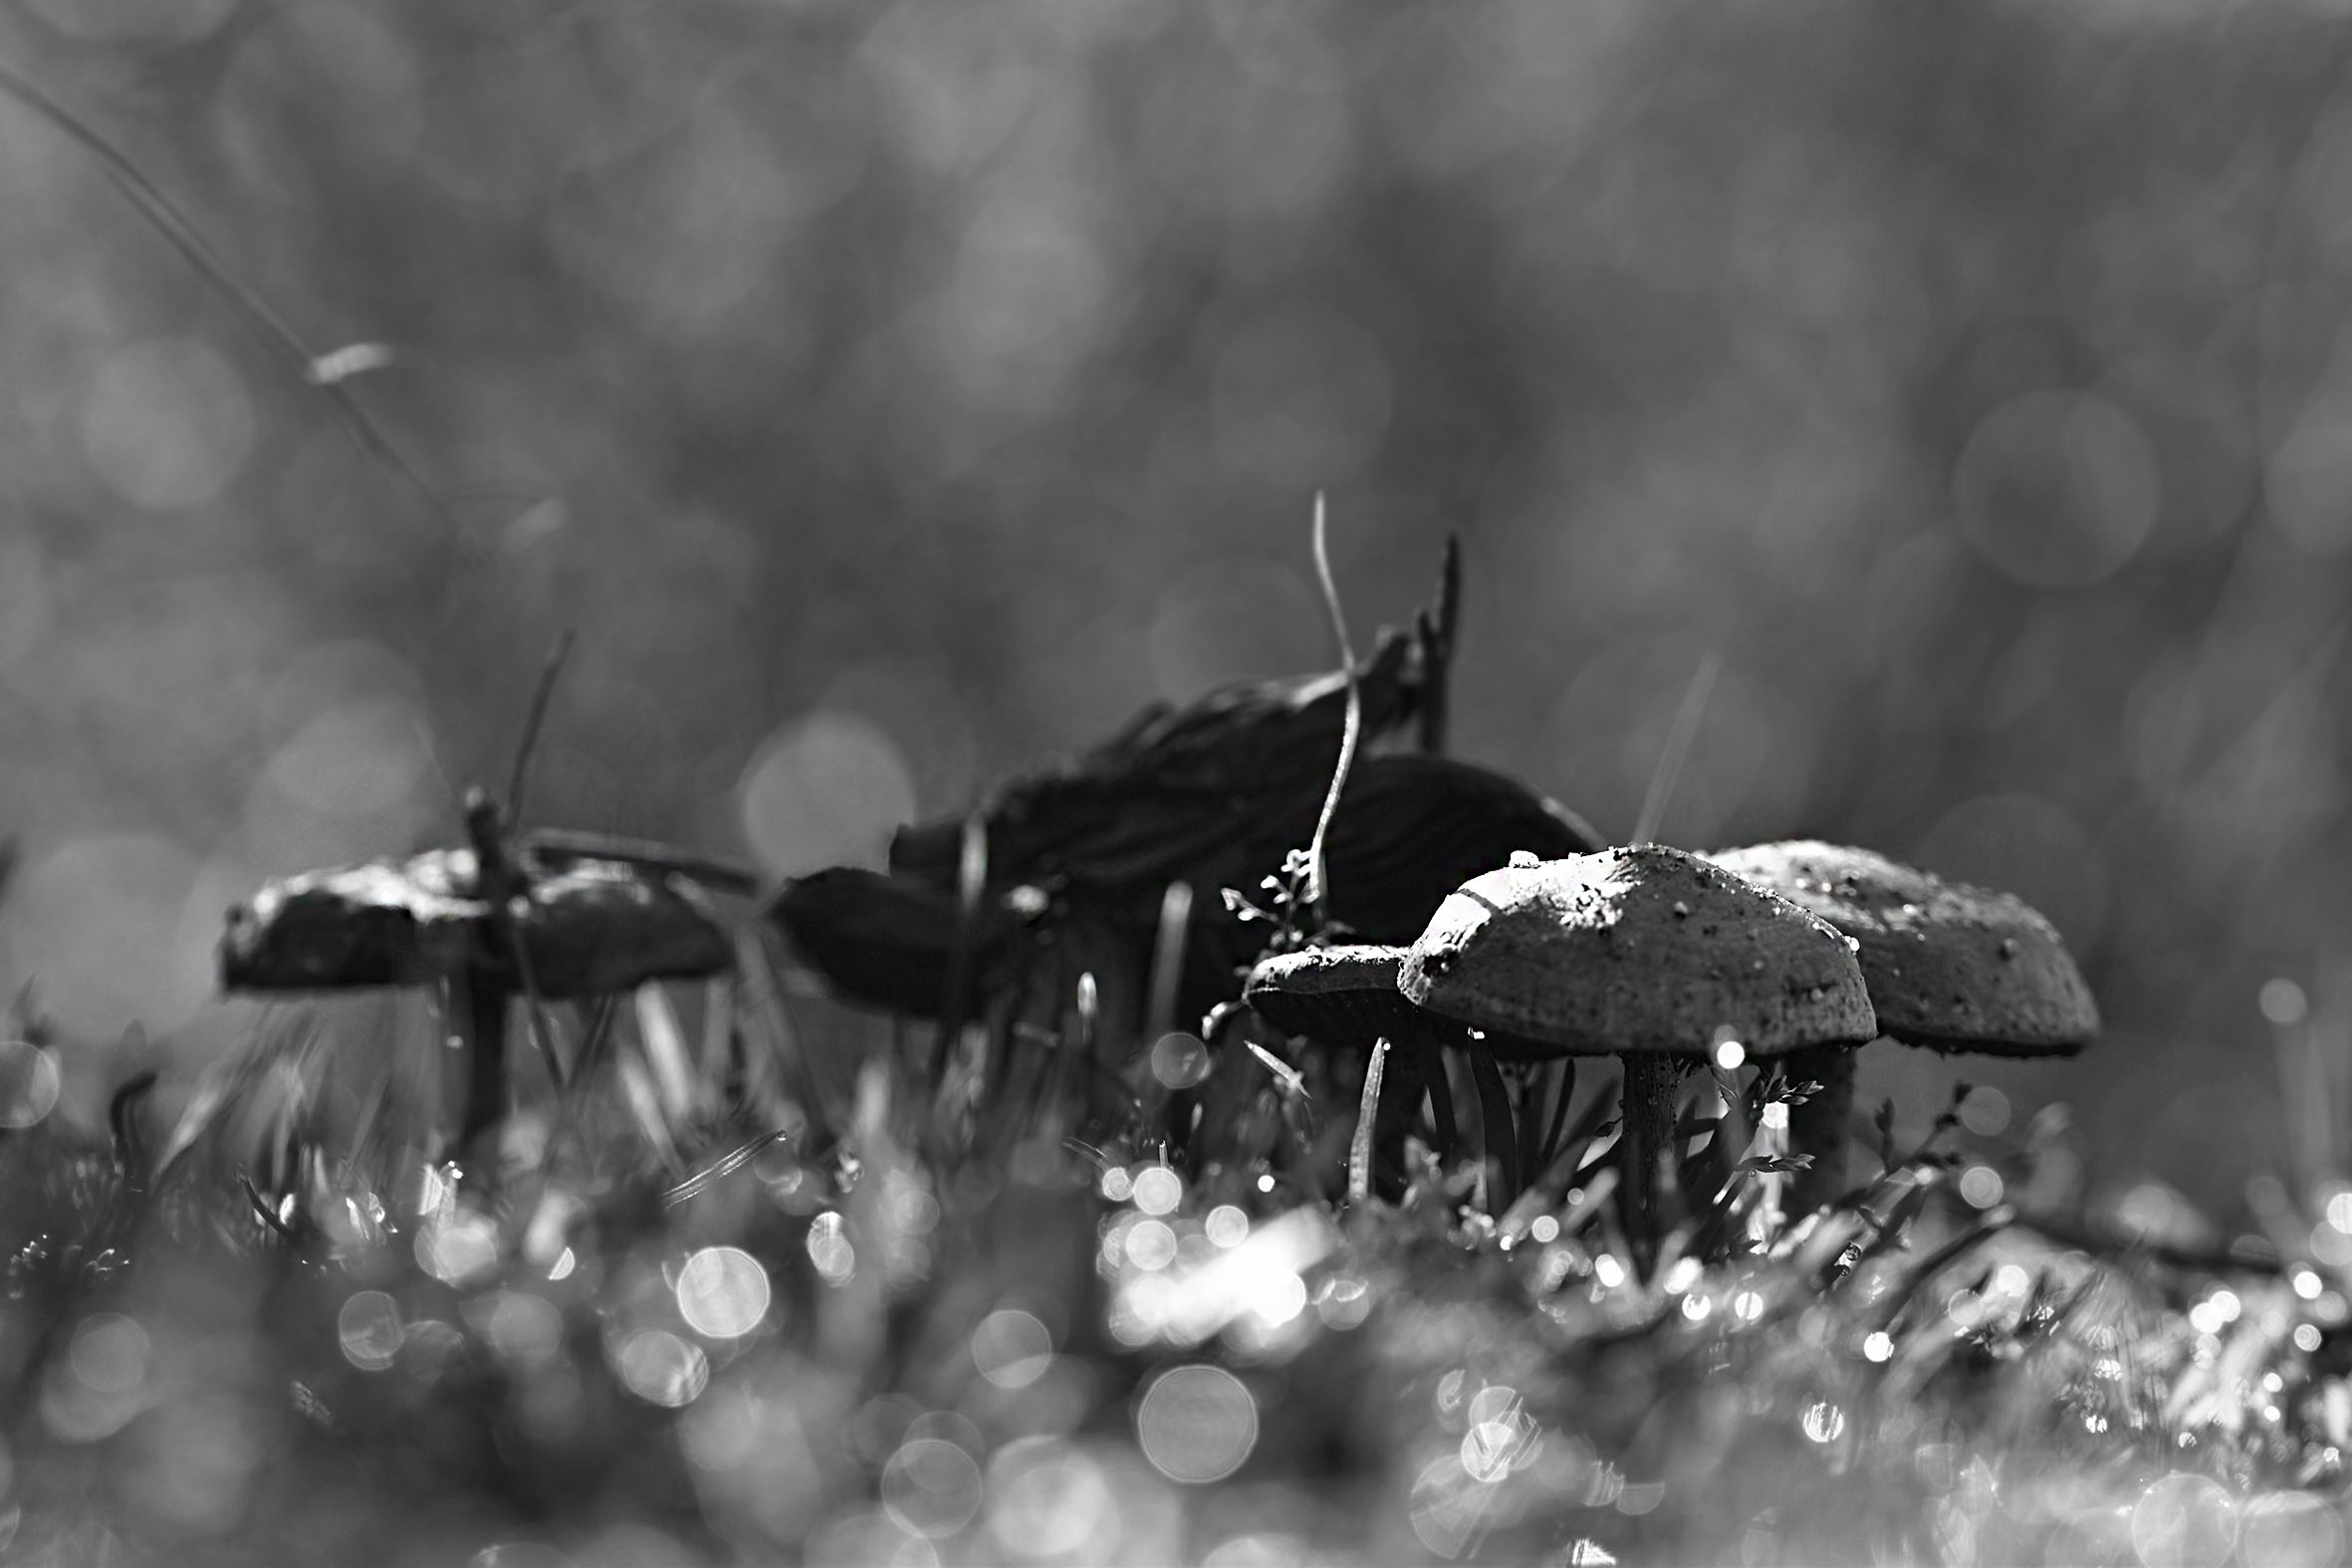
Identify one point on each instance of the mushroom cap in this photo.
(1950, 967)
(1343, 995)
(601, 926)
(378, 923)
(885, 940)
(1643, 949)
(1175, 784)
(592, 927)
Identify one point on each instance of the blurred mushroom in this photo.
(1410, 830)
(489, 924)
(1647, 953)
(1172, 786)
(1346, 999)
(1950, 967)
(883, 941)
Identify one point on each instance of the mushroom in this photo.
(493, 925)
(1348, 998)
(885, 941)
(1647, 953)
(1953, 968)
(1410, 830)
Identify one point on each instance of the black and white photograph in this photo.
(1207, 782)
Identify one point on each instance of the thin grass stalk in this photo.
(1367, 1112)
(971, 888)
(1495, 1129)
(164, 216)
(1352, 730)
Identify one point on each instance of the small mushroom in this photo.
(572, 924)
(1952, 968)
(1647, 953)
(1348, 999)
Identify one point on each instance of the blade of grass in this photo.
(1318, 882)
(1440, 1089)
(664, 1042)
(643, 1102)
(971, 888)
(165, 218)
(1167, 962)
(1359, 1147)
(1494, 1110)
(1562, 1095)
(1676, 749)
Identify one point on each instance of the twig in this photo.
(535, 717)
(167, 220)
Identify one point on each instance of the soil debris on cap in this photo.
(1950, 967)
(1646, 949)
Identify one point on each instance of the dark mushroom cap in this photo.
(1343, 995)
(595, 925)
(885, 940)
(1646, 949)
(1950, 967)
(601, 926)
(1175, 784)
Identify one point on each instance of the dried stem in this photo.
(1317, 886)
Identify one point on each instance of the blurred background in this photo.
(898, 397)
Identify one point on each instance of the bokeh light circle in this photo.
(166, 424)
(109, 1352)
(1197, 1424)
(2185, 1521)
(660, 1368)
(827, 786)
(2056, 489)
(931, 1487)
(1012, 1348)
(723, 1292)
(29, 1084)
(2289, 1529)
(1179, 1060)
(1158, 1190)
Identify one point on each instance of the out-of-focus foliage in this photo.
(902, 1347)
(894, 395)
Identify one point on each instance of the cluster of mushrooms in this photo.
(1466, 915)
(1798, 952)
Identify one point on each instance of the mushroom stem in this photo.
(485, 1005)
(1653, 1081)
(1821, 1126)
